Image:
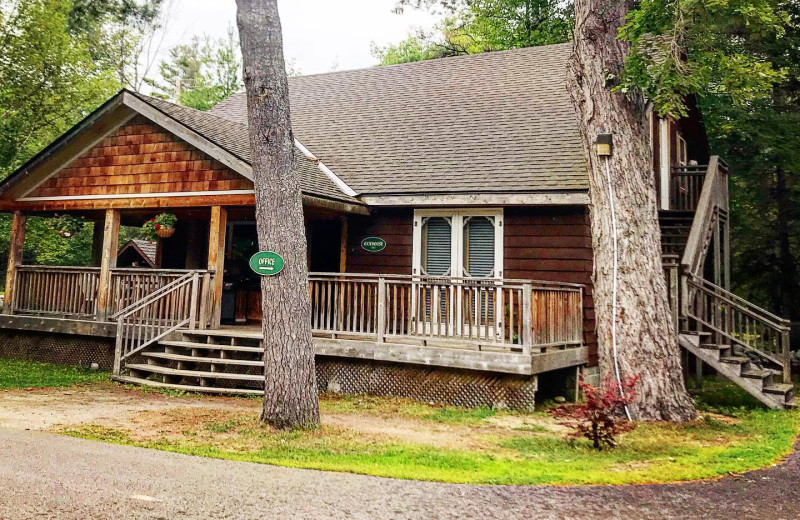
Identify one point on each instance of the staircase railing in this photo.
(734, 320)
(713, 200)
(169, 308)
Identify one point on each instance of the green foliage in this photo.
(48, 79)
(475, 26)
(16, 373)
(683, 47)
(152, 226)
(202, 73)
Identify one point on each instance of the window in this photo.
(464, 242)
(683, 151)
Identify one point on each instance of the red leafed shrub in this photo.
(601, 416)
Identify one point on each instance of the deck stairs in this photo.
(741, 341)
(747, 369)
(212, 361)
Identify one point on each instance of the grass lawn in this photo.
(403, 439)
(16, 373)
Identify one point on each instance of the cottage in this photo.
(448, 238)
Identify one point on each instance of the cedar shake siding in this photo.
(553, 244)
(140, 157)
(395, 226)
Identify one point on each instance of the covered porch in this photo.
(491, 324)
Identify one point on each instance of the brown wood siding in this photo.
(553, 244)
(395, 226)
(141, 157)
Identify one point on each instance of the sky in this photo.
(319, 35)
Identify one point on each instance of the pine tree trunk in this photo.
(290, 392)
(646, 341)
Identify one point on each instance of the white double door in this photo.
(465, 248)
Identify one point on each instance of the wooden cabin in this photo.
(449, 246)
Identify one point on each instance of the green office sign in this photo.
(373, 244)
(266, 263)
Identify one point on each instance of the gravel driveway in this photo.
(50, 476)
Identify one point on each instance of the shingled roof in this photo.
(494, 122)
(233, 137)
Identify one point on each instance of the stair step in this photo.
(212, 346)
(199, 359)
(226, 333)
(714, 346)
(735, 360)
(779, 388)
(187, 388)
(756, 373)
(194, 373)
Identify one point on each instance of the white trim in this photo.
(69, 160)
(139, 195)
(505, 199)
(457, 237)
(664, 161)
(327, 171)
(682, 150)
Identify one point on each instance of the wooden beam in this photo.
(216, 261)
(165, 200)
(14, 259)
(555, 198)
(108, 262)
(343, 247)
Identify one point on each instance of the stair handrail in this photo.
(711, 200)
(725, 320)
(135, 332)
(155, 294)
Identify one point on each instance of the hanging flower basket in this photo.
(68, 226)
(160, 226)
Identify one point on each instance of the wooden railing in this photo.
(130, 285)
(713, 201)
(481, 313)
(56, 291)
(686, 186)
(71, 292)
(171, 307)
(734, 320)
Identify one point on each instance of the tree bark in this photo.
(290, 391)
(646, 340)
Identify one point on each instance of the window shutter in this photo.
(479, 247)
(437, 250)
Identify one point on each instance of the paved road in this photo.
(48, 476)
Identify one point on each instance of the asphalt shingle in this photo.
(494, 122)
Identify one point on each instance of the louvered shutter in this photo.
(479, 247)
(437, 249)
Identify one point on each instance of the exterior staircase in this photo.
(750, 372)
(675, 228)
(210, 361)
(741, 341)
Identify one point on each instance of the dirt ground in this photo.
(147, 415)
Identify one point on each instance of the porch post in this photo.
(108, 261)
(216, 260)
(14, 259)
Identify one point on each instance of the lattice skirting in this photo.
(428, 384)
(63, 349)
